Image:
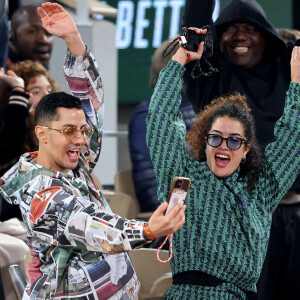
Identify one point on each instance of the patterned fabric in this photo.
(227, 227)
(71, 229)
(225, 291)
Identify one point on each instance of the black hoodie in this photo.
(264, 85)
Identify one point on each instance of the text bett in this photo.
(127, 32)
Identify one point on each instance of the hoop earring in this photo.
(243, 160)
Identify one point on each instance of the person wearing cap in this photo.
(253, 59)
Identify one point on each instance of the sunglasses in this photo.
(233, 143)
(71, 132)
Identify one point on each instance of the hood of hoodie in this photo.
(249, 11)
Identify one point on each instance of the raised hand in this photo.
(58, 22)
(181, 56)
(295, 65)
(11, 79)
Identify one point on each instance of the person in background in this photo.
(26, 84)
(220, 250)
(253, 60)
(145, 183)
(78, 245)
(28, 39)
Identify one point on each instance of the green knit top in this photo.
(227, 227)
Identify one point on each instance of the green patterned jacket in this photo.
(227, 227)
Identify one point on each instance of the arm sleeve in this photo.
(67, 220)
(14, 130)
(283, 155)
(166, 130)
(83, 77)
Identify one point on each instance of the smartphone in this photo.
(178, 191)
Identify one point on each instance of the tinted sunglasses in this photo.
(71, 132)
(233, 143)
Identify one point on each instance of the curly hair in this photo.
(28, 69)
(233, 106)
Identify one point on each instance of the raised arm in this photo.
(284, 154)
(166, 130)
(81, 72)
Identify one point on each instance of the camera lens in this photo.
(178, 183)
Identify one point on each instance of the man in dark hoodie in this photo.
(253, 60)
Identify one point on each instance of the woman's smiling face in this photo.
(221, 160)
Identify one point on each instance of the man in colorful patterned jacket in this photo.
(71, 230)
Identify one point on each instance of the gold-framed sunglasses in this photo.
(71, 132)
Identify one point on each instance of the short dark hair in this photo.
(46, 110)
(18, 16)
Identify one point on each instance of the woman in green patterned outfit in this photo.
(219, 252)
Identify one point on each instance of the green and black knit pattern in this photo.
(227, 227)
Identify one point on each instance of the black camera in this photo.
(190, 40)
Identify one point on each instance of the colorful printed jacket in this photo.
(227, 227)
(71, 229)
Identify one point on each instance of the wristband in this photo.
(149, 232)
(188, 57)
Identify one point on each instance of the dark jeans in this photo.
(280, 277)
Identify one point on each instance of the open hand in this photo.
(57, 21)
(181, 55)
(295, 65)
(11, 79)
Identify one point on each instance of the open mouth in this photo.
(73, 154)
(222, 160)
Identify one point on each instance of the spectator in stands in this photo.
(142, 169)
(77, 243)
(253, 60)
(220, 250)
(26, 84)
(28, 39)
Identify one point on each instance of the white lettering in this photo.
(160, 6)
(125, 27)
(175, 16)
(124, 24)
(141, 24)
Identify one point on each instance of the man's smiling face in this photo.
(242, 44)
(59, 154)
